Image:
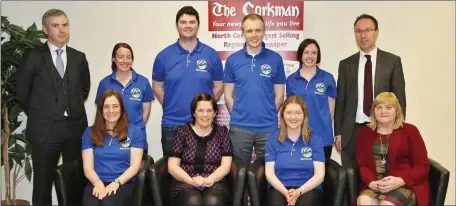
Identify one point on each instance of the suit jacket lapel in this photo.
(355, 66)
(378, 71)
(49, 63)
(71, 62)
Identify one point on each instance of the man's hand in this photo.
(339, 143)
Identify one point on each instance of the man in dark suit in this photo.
(53, 83)
(361, 77)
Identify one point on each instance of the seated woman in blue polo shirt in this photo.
(112, 152)
(295, 161)
(135, 89)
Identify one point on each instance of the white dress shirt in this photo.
(54, 55)
(360, 116)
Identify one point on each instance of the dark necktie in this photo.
(367, 102)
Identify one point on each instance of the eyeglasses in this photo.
(365, 31)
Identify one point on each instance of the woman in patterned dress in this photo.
(200, 157)
(392, 158)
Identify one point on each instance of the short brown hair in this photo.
(202, 97)
(252, 17)
(189, 10)
(98, 131)
(305, 122)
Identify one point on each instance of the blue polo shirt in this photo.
(134, 94)
(294, 160)
(315, 93)
(254, 78)
(185, 75)
(113, 158)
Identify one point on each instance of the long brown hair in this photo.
(305, 122)
(98, 132)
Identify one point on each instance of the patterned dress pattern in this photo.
(200, 156)
(401, 196)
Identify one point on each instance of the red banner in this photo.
(278, 15)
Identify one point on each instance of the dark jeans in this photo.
(123, 196)
(45, 155)
(168, 135)
(311, 198)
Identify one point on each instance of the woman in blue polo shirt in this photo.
(295, 161)
(318, 88)
(134, 88)
(112, 152)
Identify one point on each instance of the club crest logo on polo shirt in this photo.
(135, 94)
(266, 70)
(202, 65)
(320, 87)
(306, 153)
(126, 143)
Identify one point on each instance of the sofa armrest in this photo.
(256, 182)
(438, 177)
(140, 193)
(237, 176)
(353, 182)
(160, 181)
(70, 182)
(335, 183)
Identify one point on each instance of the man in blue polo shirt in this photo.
(254, 89)
(183, 70)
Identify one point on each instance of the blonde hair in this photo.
(305, 122)
(391, 99)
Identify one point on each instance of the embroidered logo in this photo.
(126, 143)
(320, 88)
(202, 65)
(135, 94)
(306, 153)
(266, 70)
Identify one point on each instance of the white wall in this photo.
(422, 33)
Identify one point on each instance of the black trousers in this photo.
(349, 152)
(123, 196)
(45, 155)
(311, 198)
